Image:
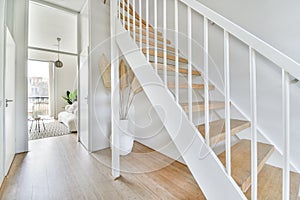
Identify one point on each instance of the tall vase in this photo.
(126, 139)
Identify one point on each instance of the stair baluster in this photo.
(123, 12)
(190, 79)
(176, 52)
(114, 90)
(128, 16)
(227, 102)
(147, 30)
(165, 41)
(286, 134)
(253, 101)
(155, 36)
(141, 24)
(134, 18)
(206, 83)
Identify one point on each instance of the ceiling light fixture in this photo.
(58, 63)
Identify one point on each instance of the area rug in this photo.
(53, 129)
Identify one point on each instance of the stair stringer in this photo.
(206, 168)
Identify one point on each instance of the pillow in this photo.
(75, 106)
(67, 108)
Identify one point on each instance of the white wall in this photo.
(20, 36)
(100, 97)
(83, 72)
(273, 21)
(9, 21)
(149, 129)
(95, 33)
(84, 27)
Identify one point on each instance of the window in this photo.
(38, 88)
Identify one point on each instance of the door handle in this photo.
(8, 101)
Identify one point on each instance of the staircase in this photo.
(163, 57)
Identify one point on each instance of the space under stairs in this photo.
(162, 69)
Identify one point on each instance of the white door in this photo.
(9, 110)
(83, 99)
(2, 30)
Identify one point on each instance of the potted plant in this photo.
(129, 88)
(70, 97)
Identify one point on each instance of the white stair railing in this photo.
(253, 100)
(286, 129)
(289, 68)
(114, 8)
(227, 102)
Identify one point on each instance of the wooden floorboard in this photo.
(60, 168)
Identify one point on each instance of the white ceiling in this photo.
(71, 4)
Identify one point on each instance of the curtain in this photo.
(51, 90)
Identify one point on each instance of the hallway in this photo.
(60, 168)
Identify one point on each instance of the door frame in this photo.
(2, 96)
(77, 14)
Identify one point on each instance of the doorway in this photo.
(52, 36)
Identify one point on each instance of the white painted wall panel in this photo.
(100, 96)
(21, 37)
(84, 129)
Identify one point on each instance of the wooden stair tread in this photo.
(137, 17)
(172, 68)
(152, 37)
(137, 21)
(241, 161)
(194, 86)
(160, 54)
(200, 106)
(144, 32)
(270, 184)
(131, 21)
(159, 45)
(217, 129)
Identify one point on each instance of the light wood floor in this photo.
(59, 168)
